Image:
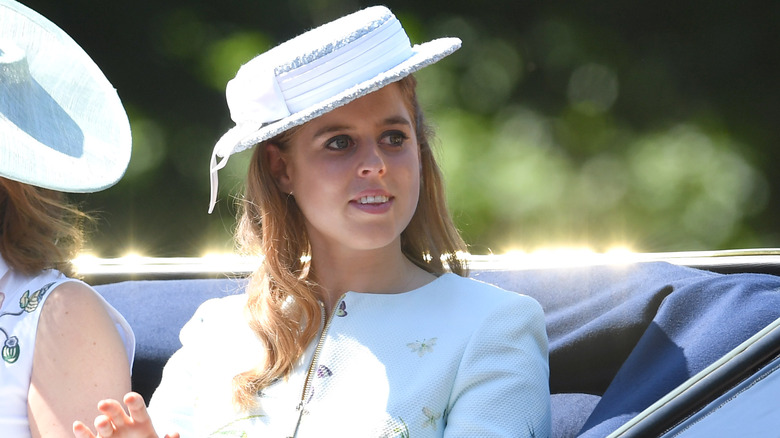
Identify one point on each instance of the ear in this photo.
(278, 164)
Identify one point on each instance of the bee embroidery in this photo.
(323, 371)
(342, 310)
(431, 417)
(426, 346)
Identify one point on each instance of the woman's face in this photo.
(354, 172)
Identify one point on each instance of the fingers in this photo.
(115, 421)
(114, 416)
(104, 426)
(80, 430)
(136, 407)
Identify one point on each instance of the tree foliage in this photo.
(644, 124)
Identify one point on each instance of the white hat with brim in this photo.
(315, 72)
(62, 125)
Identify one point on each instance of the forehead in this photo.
(383, 104)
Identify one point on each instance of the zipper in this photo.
(309, 375)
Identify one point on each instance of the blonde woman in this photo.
(359, 321)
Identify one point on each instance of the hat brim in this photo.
(422, 55)
(68, 131)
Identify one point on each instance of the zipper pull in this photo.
(300, 410)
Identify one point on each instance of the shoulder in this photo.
(76, 308)
(75, 318)
(218, 309)
(72, 301)
(215, 317)
(494, 311)
(486, 295)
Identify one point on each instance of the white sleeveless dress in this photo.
(21, 300)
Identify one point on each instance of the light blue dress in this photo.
(454, 358)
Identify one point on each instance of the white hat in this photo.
(62, 125)
(318, 71)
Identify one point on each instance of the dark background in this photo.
(651, 125)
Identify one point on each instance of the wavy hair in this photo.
(39, 228)
(282, 295)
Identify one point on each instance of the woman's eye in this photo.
(338, 142)
(396, 138)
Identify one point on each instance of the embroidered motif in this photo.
(323, 371)
(426, 346)
(402, 431)
(431, 417)
(27, 303)
(342, 310)
(30, 302)
(11, 349)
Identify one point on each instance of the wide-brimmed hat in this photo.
(62, 125)
(315, 72)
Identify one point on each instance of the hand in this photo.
(114, 422)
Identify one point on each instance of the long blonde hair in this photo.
(282, 296)
(39, 229)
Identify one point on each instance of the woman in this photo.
(62, 129)
(359, 321)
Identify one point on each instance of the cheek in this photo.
(413, 177)
(318, 189)
(311, 174)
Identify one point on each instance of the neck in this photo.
(383, 271)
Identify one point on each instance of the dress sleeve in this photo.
(502, 385)
(122, 326)
(172, 407)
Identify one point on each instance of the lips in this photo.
(373, 201)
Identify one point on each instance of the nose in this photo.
(372, 162)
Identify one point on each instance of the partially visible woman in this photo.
(62, 129)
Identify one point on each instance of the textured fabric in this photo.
(569, 412)
(62, 125)
(21, 302)
(696, 324)
(455, 358)
(632, 333)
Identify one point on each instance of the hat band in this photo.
(359, 61)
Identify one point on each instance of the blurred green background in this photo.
(650, 125)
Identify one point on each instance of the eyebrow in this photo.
(392, 120)
(397, 120)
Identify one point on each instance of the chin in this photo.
(370, 240)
